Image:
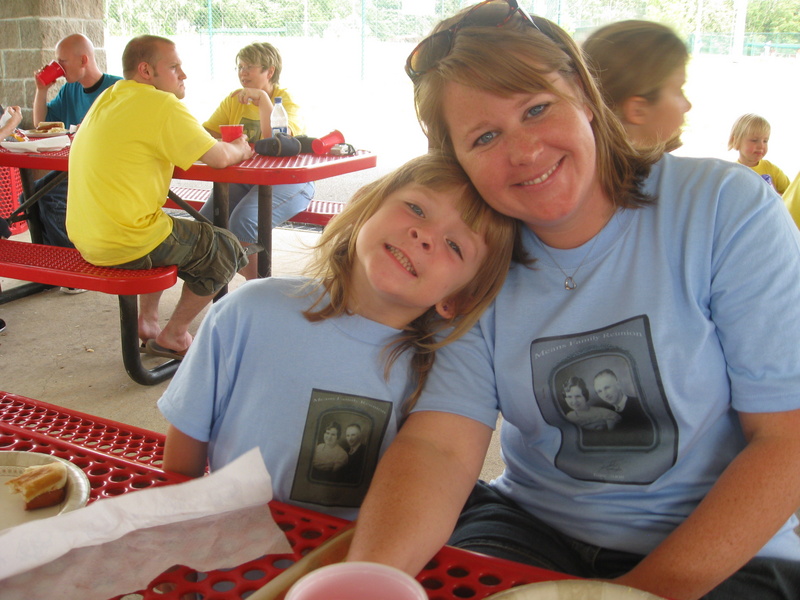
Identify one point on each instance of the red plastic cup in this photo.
(50, 73)
(324, 144)
(231, 132)
(357, 581)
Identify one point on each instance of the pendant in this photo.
(569, 284)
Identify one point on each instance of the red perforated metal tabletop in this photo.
(259, 170)
(120, 458)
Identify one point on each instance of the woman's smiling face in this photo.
(532, 156)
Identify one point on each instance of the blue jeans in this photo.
(52, 210)
(494, 525)
(287, 201)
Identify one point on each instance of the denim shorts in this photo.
(207, 257)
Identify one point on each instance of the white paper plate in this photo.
(12, 506)
(32, 133)
(44, 145)
(573, 589)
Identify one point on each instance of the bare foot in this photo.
(178, 343)
(148, 330)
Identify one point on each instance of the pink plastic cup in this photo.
(357, 581)
(231, 132)
(324, 144)
(50, 73)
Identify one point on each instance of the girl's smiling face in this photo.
(531, 156)
(413, 253)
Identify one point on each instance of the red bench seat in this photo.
(56, 266)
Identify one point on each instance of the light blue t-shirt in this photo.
(73, 102)
(691, 307)
(260, 374)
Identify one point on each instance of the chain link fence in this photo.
(343, 59)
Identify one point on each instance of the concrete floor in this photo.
(65, 349)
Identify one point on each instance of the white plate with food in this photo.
(47, 129)
(48, 145)
(573, 589)
(32, 133)
(12, 504)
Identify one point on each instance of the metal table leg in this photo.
(265, 230)
(129, 339)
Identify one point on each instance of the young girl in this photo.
(641, 69)
(407, 267)
(259, 67)
(750, 136)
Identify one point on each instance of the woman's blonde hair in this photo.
(264, 54)
(634, 58)
(517, 58)
(335, 255)
(747, 125)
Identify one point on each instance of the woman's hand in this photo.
(252, 96)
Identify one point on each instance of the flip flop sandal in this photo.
(155, 349)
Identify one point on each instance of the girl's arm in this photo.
(419, 489)
(14, 119)
(184, 454)
(751, 500)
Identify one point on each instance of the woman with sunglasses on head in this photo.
(648, 266)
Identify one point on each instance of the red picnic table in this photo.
(120, 459)
(264, 171)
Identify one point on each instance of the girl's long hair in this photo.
(335, 255)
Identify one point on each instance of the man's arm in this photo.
(225, 154)
(751, 500)
(419, 489)
(39, 101)
(184, 454)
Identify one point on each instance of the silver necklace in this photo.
(569, 281)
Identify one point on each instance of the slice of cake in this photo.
(41, 485)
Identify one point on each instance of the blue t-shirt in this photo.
(73, 102)
(690, 308)
(260, 374)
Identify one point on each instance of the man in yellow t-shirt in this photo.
(121, 165)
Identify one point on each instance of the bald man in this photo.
(85, 82)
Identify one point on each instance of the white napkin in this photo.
(41, 145)
(119, 545)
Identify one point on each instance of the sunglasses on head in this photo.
(434, 48)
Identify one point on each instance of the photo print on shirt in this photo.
(342, 438)
(603, 391)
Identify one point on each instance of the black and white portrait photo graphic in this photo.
(603, 391)
(342, 438)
